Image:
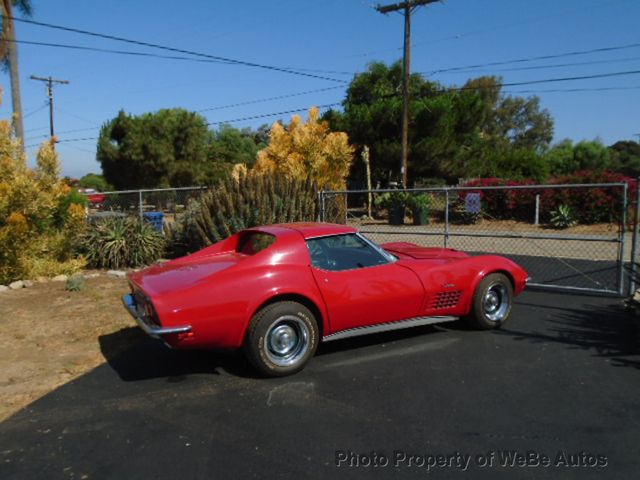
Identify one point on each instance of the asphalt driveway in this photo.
(559, 386)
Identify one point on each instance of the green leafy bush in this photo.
(120, 242)
(563, 217)
(75, 283)
(238, 203)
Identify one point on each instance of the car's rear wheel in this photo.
(281, 339)
(492, 302)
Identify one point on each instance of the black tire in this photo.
(281, 339)
(492, 302)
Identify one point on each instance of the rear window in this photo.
(254, 242)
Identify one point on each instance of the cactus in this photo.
(243, 202)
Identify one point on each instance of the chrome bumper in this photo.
(150, 329)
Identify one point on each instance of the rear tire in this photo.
(492, 302)
(281, 339)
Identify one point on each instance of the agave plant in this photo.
(563, 217)
(120, 242)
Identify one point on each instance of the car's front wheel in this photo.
(281, 339)
(492, 301)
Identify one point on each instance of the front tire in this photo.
(492, 302)
(281, 339)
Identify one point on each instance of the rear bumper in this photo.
(149, 328)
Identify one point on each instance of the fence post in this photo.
(537, 219)
(446, 217)
(623, 229)
(634, 241)
(140, 204)
(322, 207)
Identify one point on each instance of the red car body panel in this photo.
(218, 290)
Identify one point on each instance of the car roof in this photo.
(317, 229)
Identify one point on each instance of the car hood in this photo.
(183, 273)
(411, 250)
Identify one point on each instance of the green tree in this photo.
(9, 57)
(593, 155)
(232, 146)
(454, 132)
(626, 155)
(168, 148)
(560, 158)
(95, 181)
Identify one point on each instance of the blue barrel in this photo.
(155, 219)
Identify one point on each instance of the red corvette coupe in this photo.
(276, 291)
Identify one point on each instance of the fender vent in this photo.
(445, 299)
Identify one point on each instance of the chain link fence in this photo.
(142, 203)
(568, 237)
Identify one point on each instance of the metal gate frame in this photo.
(624, 286)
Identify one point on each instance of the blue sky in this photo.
(329, 38)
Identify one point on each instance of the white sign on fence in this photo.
(472, 202)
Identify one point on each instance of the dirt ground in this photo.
(49, 336)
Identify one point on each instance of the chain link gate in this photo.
(568, 237)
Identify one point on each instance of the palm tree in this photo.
(9, 57)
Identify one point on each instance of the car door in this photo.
(360, 286)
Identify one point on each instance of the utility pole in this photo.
(50, 81)
(408, 6)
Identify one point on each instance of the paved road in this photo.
(562, 379)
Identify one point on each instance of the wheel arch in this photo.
(480, 276)
(299, 298)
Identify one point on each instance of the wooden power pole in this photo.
(408, 6)
(50, 81)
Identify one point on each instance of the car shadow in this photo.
(135, 356)
(354, 343)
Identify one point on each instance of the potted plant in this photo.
(420, 205)
(395, 203)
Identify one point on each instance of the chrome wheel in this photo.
(286, 341)
(497, 302)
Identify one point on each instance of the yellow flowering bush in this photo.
(304, 149)
(34, 241)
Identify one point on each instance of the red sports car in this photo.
(276, 291)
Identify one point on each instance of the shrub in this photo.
(592, 204)
(38, 228)
(75, 283)
(563, 217)
(120, 242)
(503, 203)
(235, 204)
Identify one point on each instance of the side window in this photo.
(343, 252)
(254, 242)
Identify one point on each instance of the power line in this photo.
(571, 90)
(157, 55)
(62, 132)
(261, 100)
(557, 65)
(275, 114)
(540, 57)
(177, 50)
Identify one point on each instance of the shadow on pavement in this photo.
(610, 331)
(134, 357)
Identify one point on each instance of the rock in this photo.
(42, 279)
(60, 278)
(28, 284)
(91, 275)
(3, 288)
(117, 273)
(17, 285)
